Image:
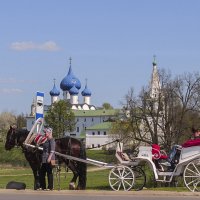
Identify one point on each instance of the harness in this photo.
(40, 139)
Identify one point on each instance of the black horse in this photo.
(67, 145)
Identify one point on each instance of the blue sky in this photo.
(111, 42)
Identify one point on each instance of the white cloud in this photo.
(24, 46)
(13, 80)
(11, 91)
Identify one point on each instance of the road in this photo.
(95, 195)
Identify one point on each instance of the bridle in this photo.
(13, 138)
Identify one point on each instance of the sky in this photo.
(111, 43)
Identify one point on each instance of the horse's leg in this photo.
(72, 167)
(82, 175)
(82, 169)
(35, 166)
(36, 176)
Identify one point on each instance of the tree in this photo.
(21, 121)
(167, 117)
(107, 106)
(6, 120)
(61, 118)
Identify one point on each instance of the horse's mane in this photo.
(21, 132)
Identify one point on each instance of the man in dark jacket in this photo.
(48, 155)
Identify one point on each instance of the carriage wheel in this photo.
(121, 177)
(140, 178)
(191, 175)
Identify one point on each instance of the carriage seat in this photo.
(120, 155)
(158, 154)
(40, 139)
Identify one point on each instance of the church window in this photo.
(93, 133)
(98, 132)
(104, 132)
(77, 129)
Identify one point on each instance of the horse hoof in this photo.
(72, 186)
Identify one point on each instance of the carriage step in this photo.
(165, 173)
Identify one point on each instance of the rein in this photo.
(117, 140)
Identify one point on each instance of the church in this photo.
(92, 123)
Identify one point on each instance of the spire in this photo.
(154, 60)
(155, 82)
(70, 61)
(70, 66)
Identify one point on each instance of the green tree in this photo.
(21, 121)
(107, 106)
(61, 118)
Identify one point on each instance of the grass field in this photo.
(96, 180)
(14, 167)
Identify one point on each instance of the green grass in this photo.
(175, 189)
(101, 155)
(96, 180)
(14, 167)
(14, 157)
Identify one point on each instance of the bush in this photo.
(14, 157)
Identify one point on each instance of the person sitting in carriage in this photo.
(173, 158)
(195, 140)
(175, 151)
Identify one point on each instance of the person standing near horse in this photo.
(48, 155)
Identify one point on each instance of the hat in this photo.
(48, 130)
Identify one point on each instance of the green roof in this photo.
(95, 113)
(82, 135)
(101, 126)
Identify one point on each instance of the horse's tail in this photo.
(82, 168)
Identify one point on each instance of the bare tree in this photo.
(166, 118)
(6, 119)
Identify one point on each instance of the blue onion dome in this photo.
(69, 80)
(86, 91)
(54, 91)
(74, 91)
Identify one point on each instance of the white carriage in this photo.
(125, 176)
